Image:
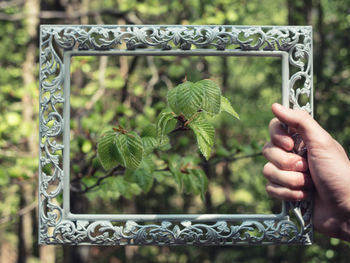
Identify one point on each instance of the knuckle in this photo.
(266, 149)
(272, 122)
(295, 183)
(269, 189)
(284, 163)
(296, 195)
(267, 170)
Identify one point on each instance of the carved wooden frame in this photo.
(57, 225)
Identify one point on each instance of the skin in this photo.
(325, 172)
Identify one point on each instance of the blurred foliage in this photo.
(131, 91)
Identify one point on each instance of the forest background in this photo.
(123, 84)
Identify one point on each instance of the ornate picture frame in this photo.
(58, 43)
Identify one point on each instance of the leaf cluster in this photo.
(191, 106)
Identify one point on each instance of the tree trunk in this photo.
(29, 103)
(299, 12)
(25, 229)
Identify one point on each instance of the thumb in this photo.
(304, 124)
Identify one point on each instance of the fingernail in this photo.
(279, 106)
(301, 166)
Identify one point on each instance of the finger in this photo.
(279, 135)
(284, 160)
(289, 179)
(302, 122)
(285, 193)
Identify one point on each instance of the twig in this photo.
(181, 128)
(132, 67)
(153, 81)
(113, 172)
(101, 80)
(233, 158)
(167, 82)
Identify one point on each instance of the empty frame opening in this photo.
(131, 91)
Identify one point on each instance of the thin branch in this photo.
(134, 19)
(132, 67)
(153, 81)
(113, 172)
(181, 128)
(233, 158)
(167, 82)
(101, 80)
(20, 213)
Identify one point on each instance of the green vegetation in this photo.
(132, 92)
(190, 107)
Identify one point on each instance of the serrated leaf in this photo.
(186, 98)
(173, 163)
(108, 152)
(172, 100)
(124, 188)
(159, 176)
(149, 131)
(130, 147)
(226, 106)
(149, 139)
(188, 183)
(144, 179)
(205, 133)
(211, 96)
(201, 181)
(149, 144)
(165, 124)
(119, 185)
(164, 145)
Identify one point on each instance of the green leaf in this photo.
(125, 188)
(108, 152)
(165, 124)
(149, 131)
(149, 144)
(144, 179)
(205, 133)
(226, 106)
(149, 139)
(188, 183)
(174, 163)
(211, 96)
(130, 147)
(186, 98)
(172, 100)
(195, 181)
(159, 176)
(201, 181)
(142, 176)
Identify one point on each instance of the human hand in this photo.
(326, 169)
